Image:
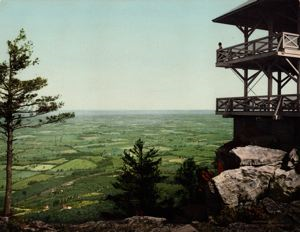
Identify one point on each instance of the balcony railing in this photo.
(276, 42)
(275, 105)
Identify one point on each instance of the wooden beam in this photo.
(250, 58)
(246, 73)
(279, 87)
(293, 67)
(246, 35)
(284, 79)
(270, 82)
(254, 28)
(247, 31)
(240, 28)
(238, 73)
(287, 73)
(270, 86)
(285, 82)
(253, 77)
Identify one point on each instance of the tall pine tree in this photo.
(20, 103)
(137, 180)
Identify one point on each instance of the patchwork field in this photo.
(64, 172)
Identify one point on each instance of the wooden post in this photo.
(246, 72)
(269, 68)
(270, 83)
(245, 82)
(279, 83)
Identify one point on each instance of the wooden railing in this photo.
(276, 104)
(276, 42)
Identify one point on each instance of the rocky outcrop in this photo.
(258, 156)
(243, 184)
(287, 220)
(259, 174)
(132, 224)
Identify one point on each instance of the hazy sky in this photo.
(126, 54)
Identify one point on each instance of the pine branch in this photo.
(49, 120)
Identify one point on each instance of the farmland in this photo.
(63, 172)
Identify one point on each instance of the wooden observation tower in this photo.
(276, 56)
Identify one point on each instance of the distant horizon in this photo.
(138, 112)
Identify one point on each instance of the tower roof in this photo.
(257, 13)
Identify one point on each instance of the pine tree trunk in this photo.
(9, 157)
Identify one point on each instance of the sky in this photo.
(126, 54)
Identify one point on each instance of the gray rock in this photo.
(286, 182)
(185, 228)
(145, 219)
(258, 156)
(244, 184)
(293, 159)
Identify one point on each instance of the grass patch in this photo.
(69, 151)
(31, 180)
(177, 160)
(94, 159)
(57, 161)
(34, 167)
(79, 164)
(80, 204)
(93, 194)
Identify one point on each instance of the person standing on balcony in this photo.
(220, 55)
(220, 46)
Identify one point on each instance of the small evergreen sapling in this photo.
(137, 181)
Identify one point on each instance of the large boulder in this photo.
(258, 156)
(245, 184)
(260, 172)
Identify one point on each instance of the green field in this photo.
(64, 172)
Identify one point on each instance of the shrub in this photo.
(194, 179)
(137, 181)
